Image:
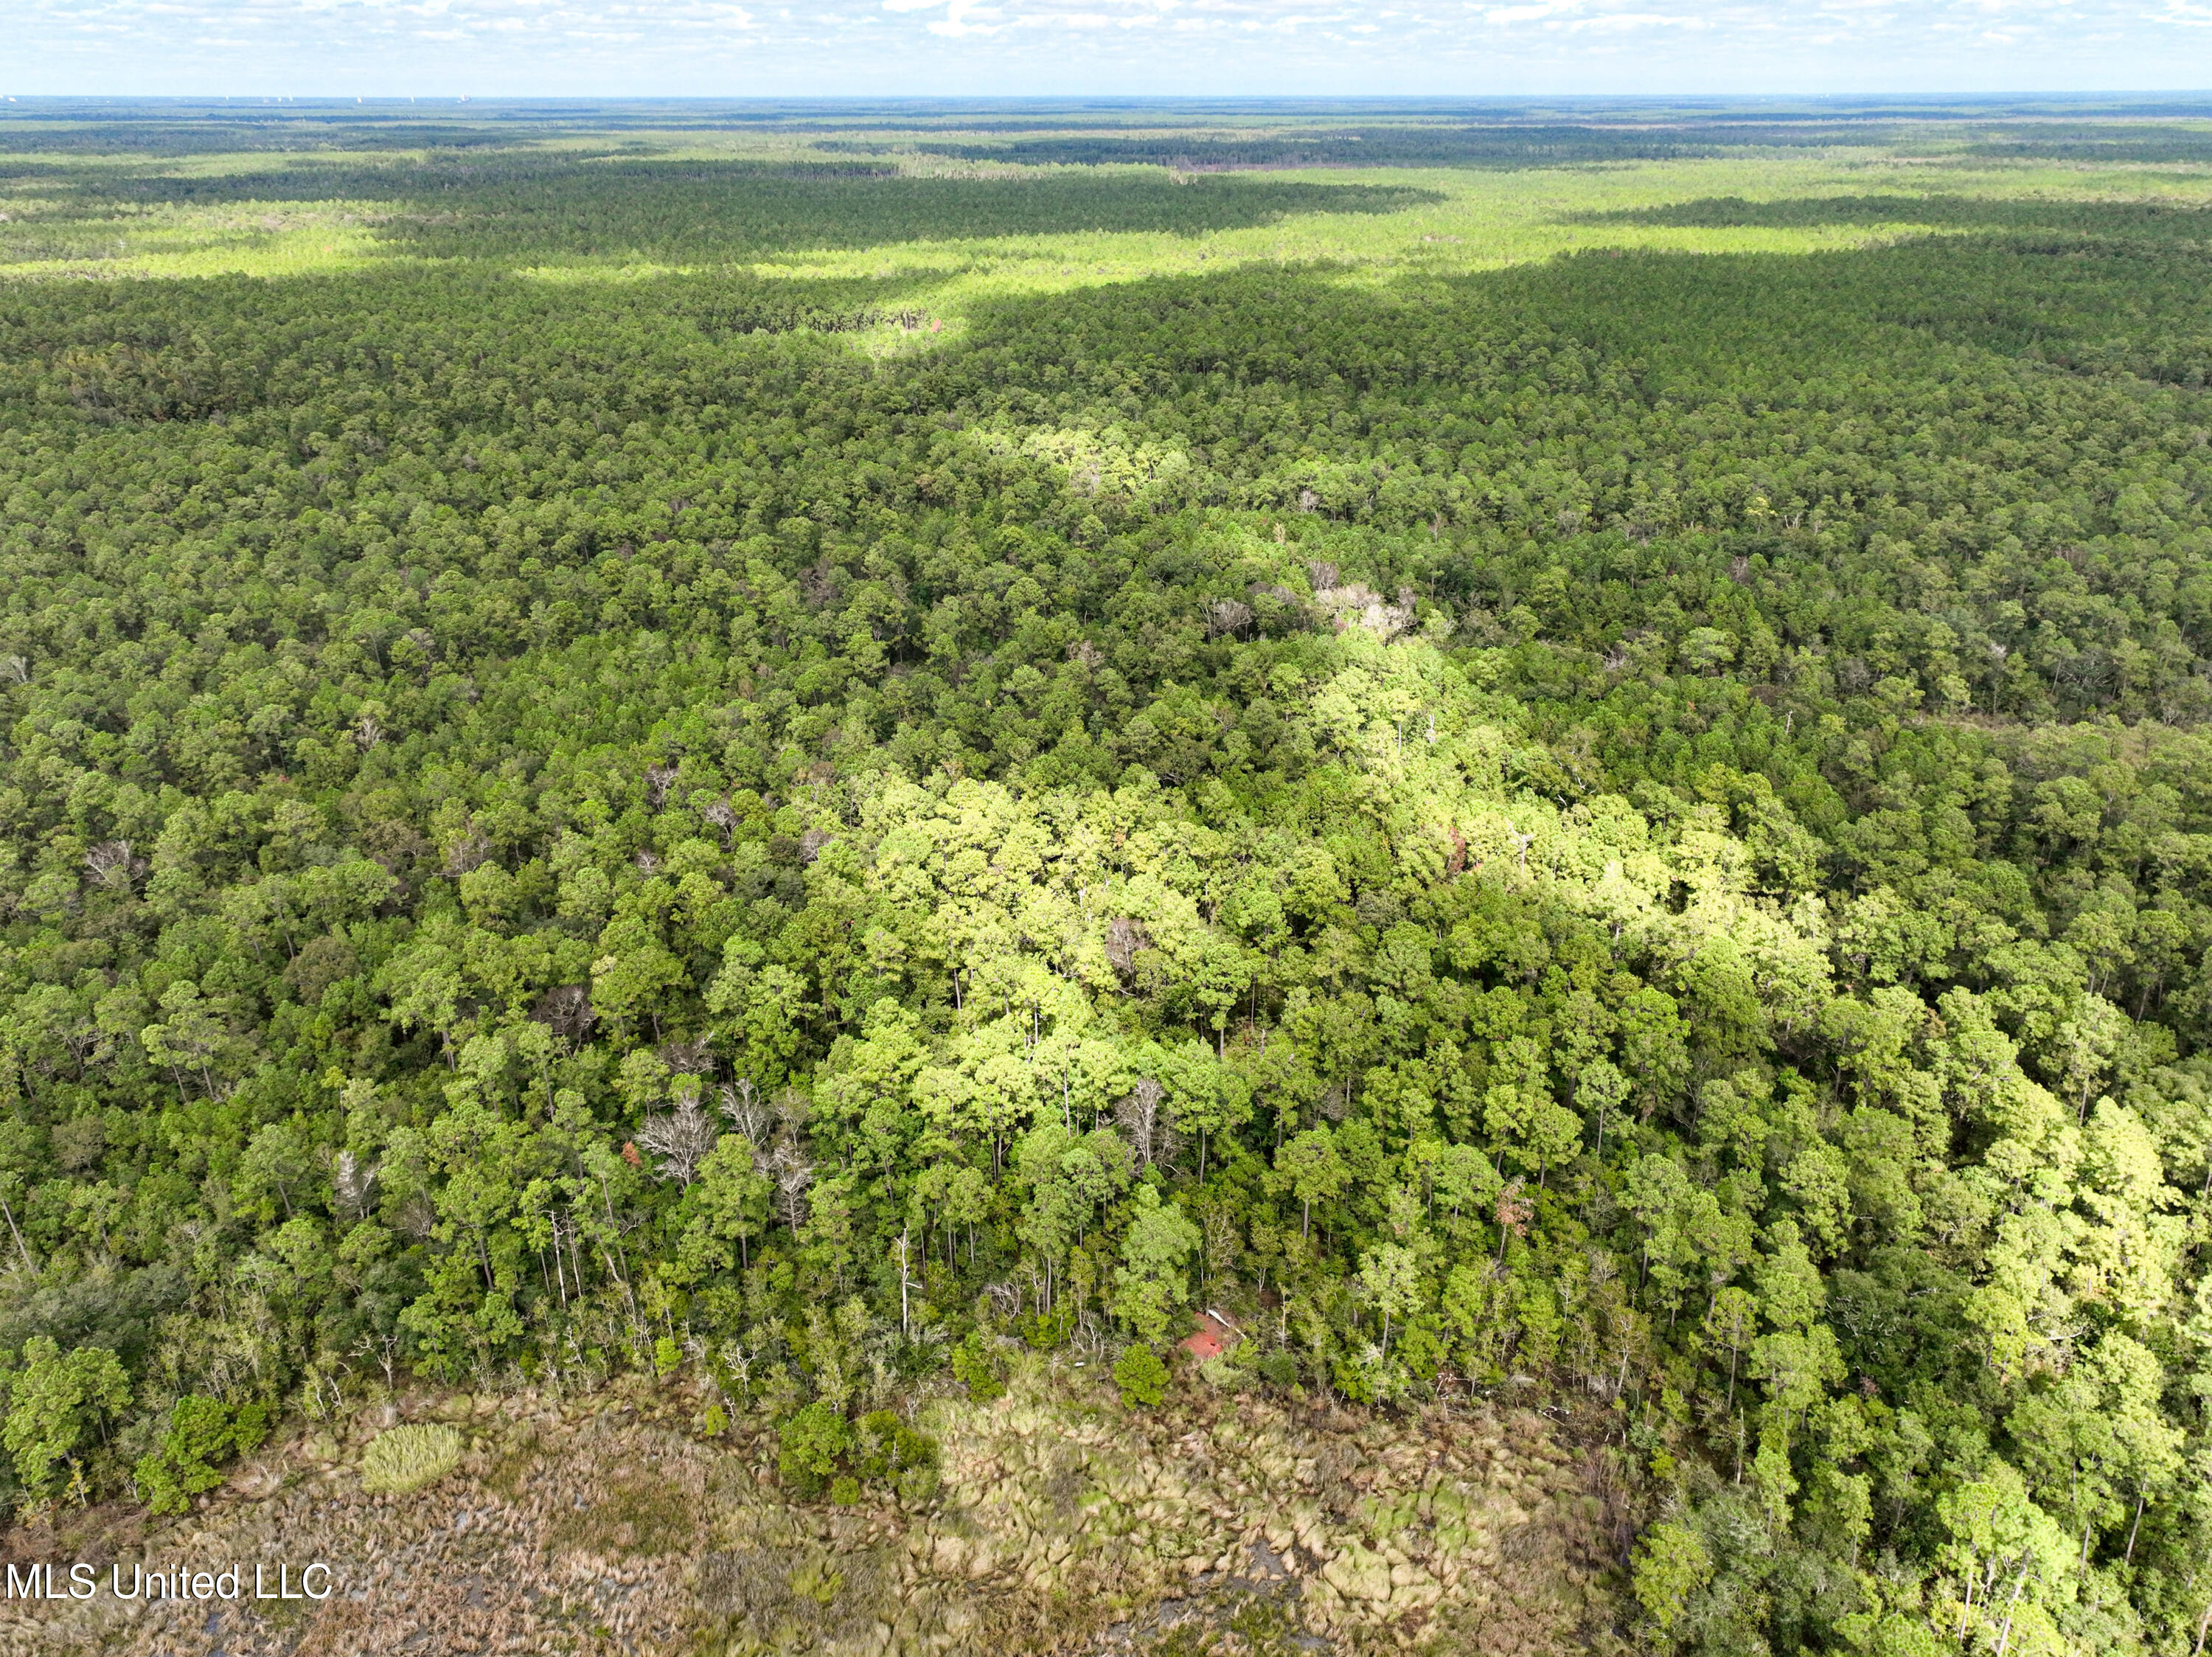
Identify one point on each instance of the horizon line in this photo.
(405, 100)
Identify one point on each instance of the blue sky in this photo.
(490, 48)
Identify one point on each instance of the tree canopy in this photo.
(1636, 826)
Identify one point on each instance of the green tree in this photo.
(1152, 1282)
(202, 1431)
(1672, 1566)
(1392, 1278)
(730, 1204)
(810, 1446)
(56, 1401)
(975, 1367)
(1311, 1168)
(1141, 1376)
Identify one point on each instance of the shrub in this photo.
(917, 1484)
(972, 1361)
(1219, 1372)
(407, 1458)
(1047, 1329)
(198, 1436)
(1141, 1376)
(808, 1446)
(888, 1450)
(249, 1426)
(203, 1431)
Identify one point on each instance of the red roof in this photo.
(1214, 1337)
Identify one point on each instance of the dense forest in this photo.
(1631, 831)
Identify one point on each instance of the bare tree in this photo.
(793, 1173)
(112, 865)
(1358, 606)
(1227, 617)
(746, 1112)
(791, 1113)
(681, 1140)
(1124, 938)
(567, 1011)
(354, 1185)
(693, 1057)
(468, 852)
(384, 1349)
(1138, 1117)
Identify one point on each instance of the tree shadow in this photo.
(534, 208)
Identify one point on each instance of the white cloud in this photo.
(924, 47)
(955, 23)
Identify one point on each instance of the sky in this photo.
(729, 48)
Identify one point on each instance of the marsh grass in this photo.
(783, 1598)
(639, 1513)
(404, 1458)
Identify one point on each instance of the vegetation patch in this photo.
(404, 1458)
(639, 1514)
